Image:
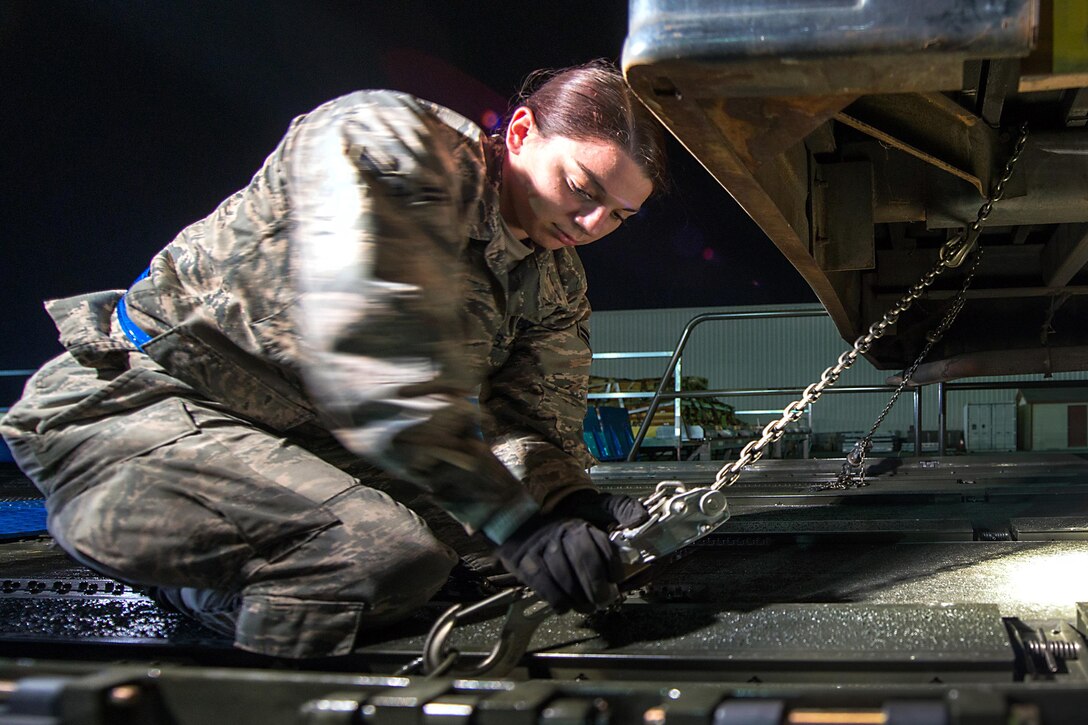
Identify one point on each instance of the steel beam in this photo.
(1065, 254)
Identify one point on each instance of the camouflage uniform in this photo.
(324, 329)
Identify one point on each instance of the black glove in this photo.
(603, 510)
(567, 562)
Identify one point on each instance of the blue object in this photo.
(22, 518)
(616, 423)
(607, 433)
(138, 337)
(592, 433)
(5, 453)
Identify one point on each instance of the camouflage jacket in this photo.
(364, 282)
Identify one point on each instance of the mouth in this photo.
(564, 238)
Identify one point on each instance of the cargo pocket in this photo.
(183, 502)
(77, 447)
(237, 468)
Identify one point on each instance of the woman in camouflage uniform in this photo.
(395, 297)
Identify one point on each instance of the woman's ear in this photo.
(521, 125)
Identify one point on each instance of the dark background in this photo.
(125, 120)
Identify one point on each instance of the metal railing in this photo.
(621, 396)
(672, 371)
(678, 352)
(11, 373)
(752, 392)
(674, 367)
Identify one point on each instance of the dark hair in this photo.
(593, 102)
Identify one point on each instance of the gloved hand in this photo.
(603, 510)
(569, 563)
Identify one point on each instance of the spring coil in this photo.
(1058, 648)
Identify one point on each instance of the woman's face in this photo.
(561, 192)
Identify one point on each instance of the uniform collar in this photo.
(504, 250)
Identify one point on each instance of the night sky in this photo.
(125, 120)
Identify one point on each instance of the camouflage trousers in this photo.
(148, 483)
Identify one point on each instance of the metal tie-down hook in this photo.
(953, 255)
(525, 611)
(678, 516)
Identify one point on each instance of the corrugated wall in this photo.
(773, 353)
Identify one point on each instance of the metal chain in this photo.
(951, 255)
(999, 188)
(852, 474)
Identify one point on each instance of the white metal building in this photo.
(1054, 420)
(745, 354)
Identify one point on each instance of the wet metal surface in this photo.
(1040, 580)
(795, 632)
(39, 558)
(47, 597)
(892, 577)
(89, 619)
(709, 642)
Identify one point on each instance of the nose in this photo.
(594, 221)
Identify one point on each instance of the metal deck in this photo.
(948, 573)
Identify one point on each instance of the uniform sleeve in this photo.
(537, 401)
(378, 189)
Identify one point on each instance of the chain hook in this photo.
(952, 254)
(957, 249)
(852, 474)
(525, 611)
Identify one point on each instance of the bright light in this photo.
(1047, 578)
(447, 709)
(489, 119)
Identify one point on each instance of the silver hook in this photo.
(524, 614)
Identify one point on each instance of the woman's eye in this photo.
(580, 191)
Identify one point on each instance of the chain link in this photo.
(951, 254)
(852, 474)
